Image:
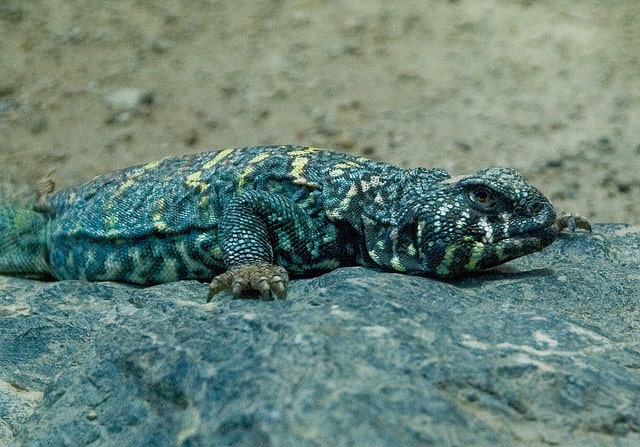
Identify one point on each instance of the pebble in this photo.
(160, 45)
(5, 106)
(128, 99)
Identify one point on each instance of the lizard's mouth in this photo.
(524, 243)
(544, 235)
(521, 244)
(484, 254)
(544, 232)
(507, 237)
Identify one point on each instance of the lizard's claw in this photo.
(571, 222)
(264, 278)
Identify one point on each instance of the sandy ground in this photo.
(551, 88)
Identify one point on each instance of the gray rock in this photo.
(542, 351)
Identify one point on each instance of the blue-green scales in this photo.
(253, 216)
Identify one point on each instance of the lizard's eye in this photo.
(482, 198)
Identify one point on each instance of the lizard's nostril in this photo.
(536, 207)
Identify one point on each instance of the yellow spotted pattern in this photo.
(221, 155)
(242, 178)
(305, 151)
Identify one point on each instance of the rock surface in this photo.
(543, 351)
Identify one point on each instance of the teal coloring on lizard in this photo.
(248, 218)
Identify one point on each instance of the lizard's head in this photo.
(470, 223)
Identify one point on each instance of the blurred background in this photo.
(551, 88)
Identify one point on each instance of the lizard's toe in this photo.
(238, 284)
(571, 222)
(279, 285)
(219, 283)
(264, 278)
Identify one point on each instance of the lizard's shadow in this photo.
(501, 273)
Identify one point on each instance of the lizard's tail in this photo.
(23, 242)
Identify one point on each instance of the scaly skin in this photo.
(255, 215)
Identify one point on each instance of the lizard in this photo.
(248, 218)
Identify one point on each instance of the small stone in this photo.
(5, 106)
(349, 104)
(7, 89)
(605, 144)
(212, 123)
(624, 187)
(300, 18)
(346, 141)
(12, 14)
(368, 150)
(38, 124)
(160, 45)
(463, 146)
(325, 123)
(353, 25)
(128, 99)
(555, 163)
(192, 138)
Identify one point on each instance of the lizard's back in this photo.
(158, 222)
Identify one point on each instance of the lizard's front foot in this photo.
(571, 222)
(265, 278)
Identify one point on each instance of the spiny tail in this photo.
(23, 242)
